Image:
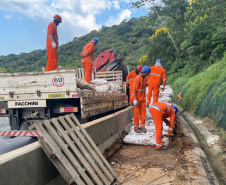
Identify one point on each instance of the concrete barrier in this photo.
(29, 164)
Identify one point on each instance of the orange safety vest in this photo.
(139, 88)
(88, 53)
(130, 78)
(157, 74)
(167, 112)
(52, 29)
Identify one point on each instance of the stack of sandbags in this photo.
(115, 87)
(101, 85)
(83, 85)
(166, 95)
(98, 85)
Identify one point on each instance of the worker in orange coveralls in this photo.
(130, 79)
(159, 112)
(87, 56)
(138, 97)
(157, 74)
(52, 43)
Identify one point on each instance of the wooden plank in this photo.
(75, 150)
(67, 152)
(59, 154)
(80, 74)
(55, 161)
(88, 142)
(110, 76)
(84, 151)
(109, 72)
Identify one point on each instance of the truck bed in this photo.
(38, 85)
(36, 89)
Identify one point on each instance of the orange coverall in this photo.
(87, 60)
(157, 74)
(130, 80)
(51, 52)
(159, 112)
(138, 93)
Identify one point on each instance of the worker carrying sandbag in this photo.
(159, 112)
(156, 76)
(130, 80)
(138, 97)
(52, 43)
(87, 56)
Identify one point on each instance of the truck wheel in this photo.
(25, 125)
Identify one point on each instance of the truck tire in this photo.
(25, 125)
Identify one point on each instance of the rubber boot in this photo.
(144, 130)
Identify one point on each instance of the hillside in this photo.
(188, 36)
(126, 39)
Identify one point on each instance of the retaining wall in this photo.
(29, 164)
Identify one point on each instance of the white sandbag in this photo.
(82, 84)
(148, 138)
(165, 99)
(99, 82)
(79, 84)
(102, 88)
(115, 87)
(167, 92)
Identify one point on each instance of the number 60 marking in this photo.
(58, 80)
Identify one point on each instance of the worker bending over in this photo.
(87, 56)
(138, 96)
(159, 112)
(157, 74)
(130, 80)
(52, 43)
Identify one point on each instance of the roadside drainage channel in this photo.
(213, 154)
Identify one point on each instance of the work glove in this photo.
(54, 45)
(127, 85)
(135, 102)
(147, 106)
(163, 89)
(170, 132)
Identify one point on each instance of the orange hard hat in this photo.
(58, 17)
(139, 68)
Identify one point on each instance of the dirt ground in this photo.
(180, 164)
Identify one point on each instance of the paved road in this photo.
(7, 145)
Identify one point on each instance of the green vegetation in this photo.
(188, 36)
(195, 88)
(190, 39)
(127, 39)
(205, 93)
